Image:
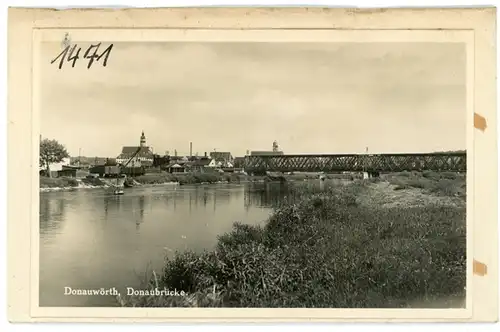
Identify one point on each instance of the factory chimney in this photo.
(190, 149)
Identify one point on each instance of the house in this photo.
(176, 168)
(222, 163)
(59, 166)
(223, 157)
(67, 172)
(141, 154)
(203, 165)
(159, 161)
(87, 162)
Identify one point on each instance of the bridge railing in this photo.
(455, 162)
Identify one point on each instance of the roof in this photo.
(89, 160)
(175, 166)
(201, 162)
(220, 155)
(128, 151)
(266, 153)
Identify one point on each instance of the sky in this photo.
(239, 96)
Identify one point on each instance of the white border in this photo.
(5, 326)
(258, 35)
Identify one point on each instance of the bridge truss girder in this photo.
(453, 162)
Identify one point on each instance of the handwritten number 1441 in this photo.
(72, 53)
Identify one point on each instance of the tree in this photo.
(51, 151)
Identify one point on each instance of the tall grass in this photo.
(440, 183)
(189, 178)
(324, 249)
(62, 182)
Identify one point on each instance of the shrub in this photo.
(322, 249)
(93, 181)
(62, 182)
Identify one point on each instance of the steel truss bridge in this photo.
(374, 163)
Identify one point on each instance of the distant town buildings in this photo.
(144, 157)
(222, 159)
(274, 152)
(141, 159)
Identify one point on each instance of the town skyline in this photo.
(309, 97)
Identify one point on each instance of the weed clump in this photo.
(323, 249)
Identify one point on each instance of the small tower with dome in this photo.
(275, 146)
(143, 139)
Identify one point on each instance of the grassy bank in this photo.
(190, 178)
(213, 177)
(439, 183)
(67, 182)
(327, 248)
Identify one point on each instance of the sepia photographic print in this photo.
(253, 169)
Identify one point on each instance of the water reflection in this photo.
(93, 239)
(52, 214)
(140, 220)
(113, 203)
(265, 194)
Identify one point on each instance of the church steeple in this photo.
(275, 146)
(143, 139)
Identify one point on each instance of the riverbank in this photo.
(391, 242)
(65, 183)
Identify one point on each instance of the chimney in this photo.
(205, 154)
(190, 149)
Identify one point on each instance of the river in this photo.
(90, 239)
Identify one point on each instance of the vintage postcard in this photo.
(252, 164)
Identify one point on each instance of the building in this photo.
(222, 159)
(161, 161)
(87, 162)
(266, 153)
(274, 152)
(176, 168)
(67, 172)
(144, 157)
(221, 156)
(59, 166)
(203, 165)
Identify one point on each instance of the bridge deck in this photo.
(455, 162)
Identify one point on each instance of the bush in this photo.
(445, 183)
(188, 178)
(62, 182)
(91, 181)
(322, 249)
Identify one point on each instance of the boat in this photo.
(118, 192)
(120, 184)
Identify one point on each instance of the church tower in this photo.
(275, 146)
(143, 139)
